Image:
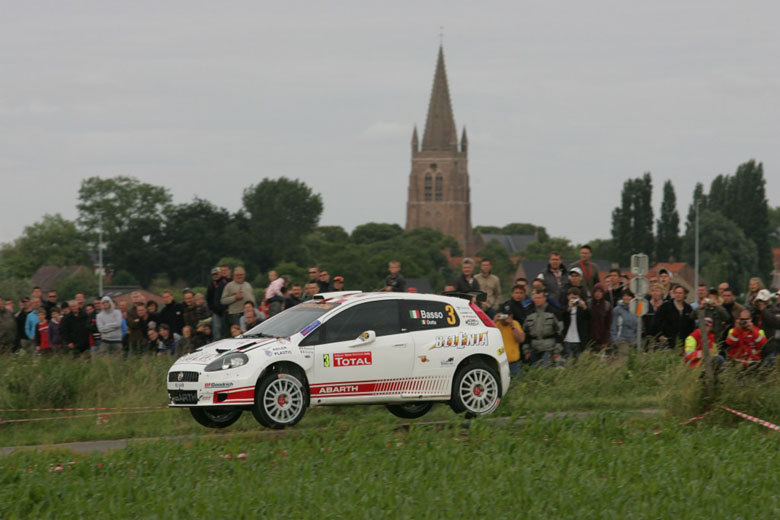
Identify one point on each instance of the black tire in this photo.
(476, 389)
(281, 398)
(410, 410)
(216, 417)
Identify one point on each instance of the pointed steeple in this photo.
(440, 133)
(464, 142)
(415, 141)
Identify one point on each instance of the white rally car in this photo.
(405, 350)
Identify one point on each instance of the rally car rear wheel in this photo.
(216, 417)
(475, 389)
(280, 399)
(410, 410)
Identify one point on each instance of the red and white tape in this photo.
(756, 420)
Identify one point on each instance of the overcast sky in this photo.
(563, 101)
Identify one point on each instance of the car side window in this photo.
(381, 317)
(426, 315)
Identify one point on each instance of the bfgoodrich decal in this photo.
(464, 339)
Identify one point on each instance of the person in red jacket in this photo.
(693, 345)
(745, 340)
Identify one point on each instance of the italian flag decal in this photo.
(414, 314)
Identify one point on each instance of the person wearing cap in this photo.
(693, 353)
(665, 279)
(338, 283)
(575, 280)
(513, 336)
(767, 317)
(213, 297)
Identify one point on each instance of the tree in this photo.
(632, 222)
(375, 232)
(667, 245)
(515, 228)
(604, 249)
(725, 253)
(748, 207)
(194, 237)
(536, 250)
(774, 226)
(82, 281)
(698, 195)
(280, 213)
(117, 203)
(53, 240)
(131, 215)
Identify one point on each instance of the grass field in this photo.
(355, 462)
(605, 466)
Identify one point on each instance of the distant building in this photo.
(514, 244)
(439, 194)
(47, 276)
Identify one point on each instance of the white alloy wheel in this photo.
(476, 390)
(283, 399)
(280, 399)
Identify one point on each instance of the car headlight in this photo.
(234, 360)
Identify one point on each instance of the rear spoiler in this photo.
(479, 296)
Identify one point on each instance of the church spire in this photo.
(464, 141)
(415, 141)
(440, 133)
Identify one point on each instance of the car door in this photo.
(360, 354)
(433, 323)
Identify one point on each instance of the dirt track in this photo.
(87, 447)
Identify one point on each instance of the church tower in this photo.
(439, 194)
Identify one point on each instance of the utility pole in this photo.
(709, 375)
(639, 285)
(101, 271)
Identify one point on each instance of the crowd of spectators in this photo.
(557, 315)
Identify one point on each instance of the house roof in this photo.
(512, 243)
(48, 275)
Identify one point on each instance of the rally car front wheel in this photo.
(215, 418)
(280, 398)
(476, 389)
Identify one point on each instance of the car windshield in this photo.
(288, 322)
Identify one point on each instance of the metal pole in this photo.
(100, 260)
(696, 249)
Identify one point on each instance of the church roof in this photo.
(512, 243)
(440, 133)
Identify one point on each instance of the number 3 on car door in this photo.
(451, 320)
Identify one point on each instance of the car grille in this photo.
(183, 396)
(187, 377)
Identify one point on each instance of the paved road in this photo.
(87, 447)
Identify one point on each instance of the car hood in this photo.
(212, 351)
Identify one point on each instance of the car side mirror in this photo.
(366, 338)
